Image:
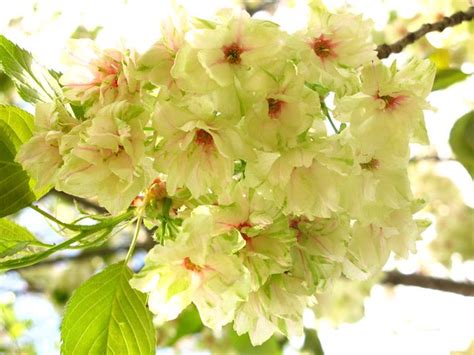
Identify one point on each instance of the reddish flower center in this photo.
(248, 240)
(274, 107)
(373, 164)
(391, 102)
(108, 71)
(157, 189)
(294, 224)
(189, 265)
(232, 53)
(322, 47)
(203, 138)
(243, 225)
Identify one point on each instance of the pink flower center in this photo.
(189, 265)
(373, 164)
(203, 138)
(232, 53)
(274, 107)
(322, 47)
(391, 102)
(157, 190)
(108, 69)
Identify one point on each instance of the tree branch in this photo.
(397, 278)
(391, 278)
(384, 50)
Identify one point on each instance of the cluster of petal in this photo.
(390, 103)
(334, 45)
(42, 155)
(197, 267)
(219, 131)
(95, 78)
(109, 156)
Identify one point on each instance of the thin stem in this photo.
(33, 259)
(134, 239)
(54, 219)
(333, 125)
(112, 221)
(328, 116)
(106, 227)
(99, 241)
(38, 243)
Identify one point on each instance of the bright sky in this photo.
(400, 321)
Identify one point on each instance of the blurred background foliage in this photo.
(440, 175)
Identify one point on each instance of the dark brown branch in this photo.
(384, 50)
(396, 278)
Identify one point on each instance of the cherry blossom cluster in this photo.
(218, 135)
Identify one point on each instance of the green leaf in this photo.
(5, 82)
(447, 77)
(82, 32)
(106, 316)
(17, 189)
(461, 140)
(34, 83)
(320, 89)
(14, 238)
(312, 344)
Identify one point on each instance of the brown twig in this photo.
(397, 278)
(384, 50)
